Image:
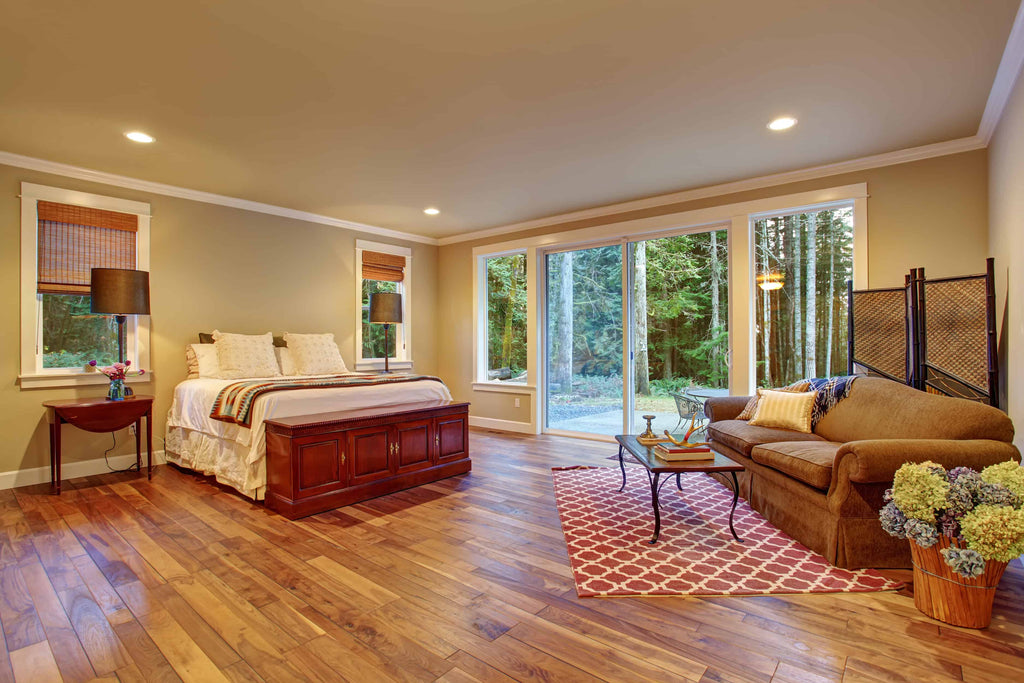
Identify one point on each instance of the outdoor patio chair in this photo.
(688, 407)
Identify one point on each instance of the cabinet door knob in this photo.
(437, 440)
(343, 457)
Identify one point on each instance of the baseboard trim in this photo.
(502, 425)
(72, 470)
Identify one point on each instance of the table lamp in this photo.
(386, 308)
(120, 293)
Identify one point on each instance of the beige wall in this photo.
(211, 267)
(931, 213)
(1006, 244)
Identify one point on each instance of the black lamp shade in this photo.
(385, 307)
(120, 292)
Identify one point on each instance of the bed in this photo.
(235, 454)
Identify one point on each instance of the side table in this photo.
(97, 414)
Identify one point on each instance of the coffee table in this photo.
(656, 467)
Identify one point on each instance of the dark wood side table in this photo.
(100, 415)
(645, 455)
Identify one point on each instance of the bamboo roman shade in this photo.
(75, 239)
(380, 266)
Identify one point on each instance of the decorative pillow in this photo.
(201, 360)
(284, 359)
(191, 363)
(315, 354)
(207, 338)
(751, 407)
(784, 410)
(245, 355)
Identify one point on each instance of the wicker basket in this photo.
(943, 594)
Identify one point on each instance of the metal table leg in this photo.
(657, 508)
(622, 466)
(735, 498)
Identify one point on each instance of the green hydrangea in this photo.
(1009, 474)
(918, 489)
(994, 531)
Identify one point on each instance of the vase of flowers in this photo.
(963, 526)
(117, 373)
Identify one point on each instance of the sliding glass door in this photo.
(662, 303)
(583, 332)
(679, 324)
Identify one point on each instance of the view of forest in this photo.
(73, 335)
(801, 326)
(506, 318)
(679, 328)
(373, 333)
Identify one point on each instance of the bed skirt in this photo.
(224, 459)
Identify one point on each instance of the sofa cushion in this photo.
(806, 461)
(742, 437)
(882, 409)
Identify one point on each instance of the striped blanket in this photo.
(235, 402)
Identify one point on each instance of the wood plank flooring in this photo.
(464, 580)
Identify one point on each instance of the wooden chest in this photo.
(320, 462)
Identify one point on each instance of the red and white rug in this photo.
(607, 534)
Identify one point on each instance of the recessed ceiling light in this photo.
(137, 136)
(431, 211)
(782, 123)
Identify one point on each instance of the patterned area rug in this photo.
(607, 534)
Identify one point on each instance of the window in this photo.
(803, 261)
(382, 268)
(64, 235)
(506, 318)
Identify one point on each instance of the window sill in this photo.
(378, 365)
(74, 379)
(505, 387)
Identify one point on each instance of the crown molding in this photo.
(902, 156)
(66, 170)
(1006, 76)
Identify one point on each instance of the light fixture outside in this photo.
(782, 123)
(137, 136)
(770, 281)
(431, 211)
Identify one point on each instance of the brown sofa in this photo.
(825, 489)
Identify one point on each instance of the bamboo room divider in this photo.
(935, 335)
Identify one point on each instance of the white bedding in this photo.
(236, 455)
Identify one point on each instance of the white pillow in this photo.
(284, 359)
(202, 361)
(315, 354)
(245, 355)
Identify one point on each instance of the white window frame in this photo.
(480, 380)
(403, 332)
(738, 217)
(137, 342)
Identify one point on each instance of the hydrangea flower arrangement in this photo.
(981, 512)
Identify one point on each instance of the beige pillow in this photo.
(315, 354)
(201, 360)
(191, 363)
(784, 410)
(245, 355)
(284, 359)
(751, 407)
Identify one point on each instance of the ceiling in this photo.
(495, 111)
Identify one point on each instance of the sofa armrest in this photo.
(876, 461)
(724, 407)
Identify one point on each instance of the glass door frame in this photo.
(627, 245)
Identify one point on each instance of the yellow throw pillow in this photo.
(751, 407)
(784, 410)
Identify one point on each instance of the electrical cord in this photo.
(131, 468)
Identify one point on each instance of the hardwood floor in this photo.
(458, 581)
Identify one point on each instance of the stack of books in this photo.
(672, 453)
